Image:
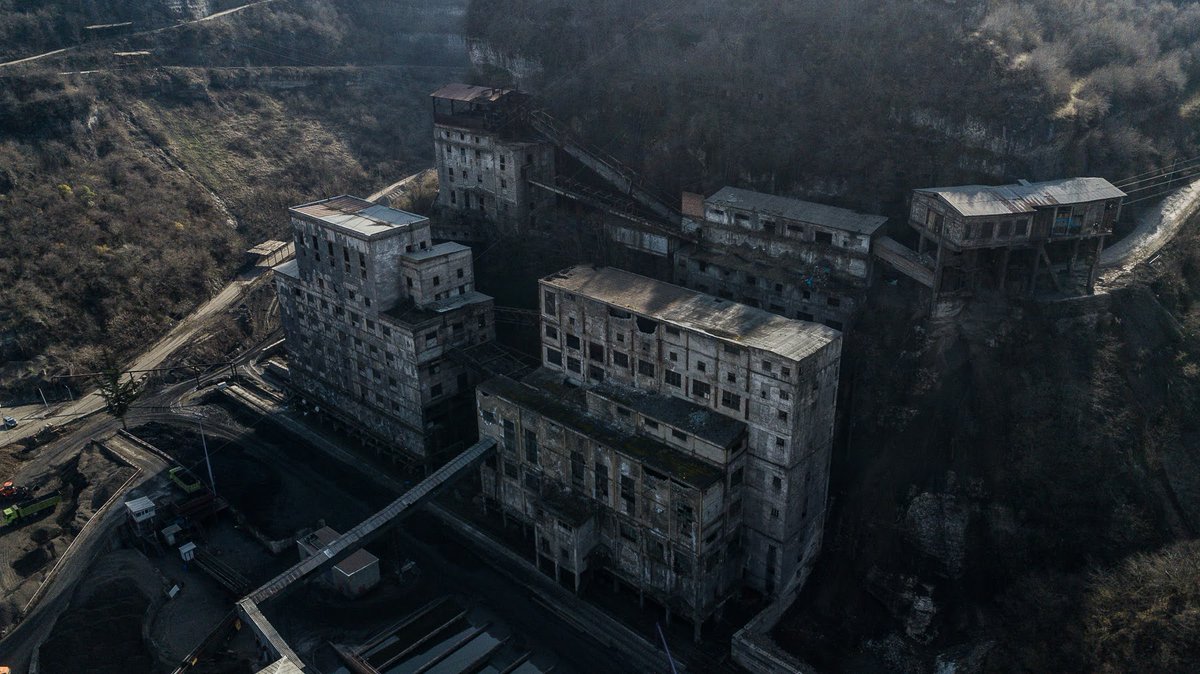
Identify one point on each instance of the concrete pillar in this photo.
(1037, 262)
(641, 597)
(556, 568)
(1091, 287)
(1004, 268)
(696, 625)
(577, 580)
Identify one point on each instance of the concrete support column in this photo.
(1037, 261)
(1091, 286)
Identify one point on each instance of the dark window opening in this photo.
(645, 368)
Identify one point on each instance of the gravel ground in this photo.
(31, 549)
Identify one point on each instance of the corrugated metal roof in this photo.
(358, 217)
(983, 200)
(469, 93)
(691, 310)
(795, 209)
(267, 247)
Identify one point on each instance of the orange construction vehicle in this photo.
(12, 492)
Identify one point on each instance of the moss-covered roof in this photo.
(661, 457)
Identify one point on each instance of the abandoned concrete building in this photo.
(486, 155)
(677, 440)
(793, 258)
(1023, 239)
(370, 308)
(504, 167)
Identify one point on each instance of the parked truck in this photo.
(23, 511)
(183, 479)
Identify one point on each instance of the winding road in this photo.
(1155, 228)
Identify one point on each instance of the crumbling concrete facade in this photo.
(1024, 239)
(486, 156)
(370, 309)
(689, 381)
(794, 258)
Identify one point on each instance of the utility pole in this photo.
(663, 638)
(204, 443)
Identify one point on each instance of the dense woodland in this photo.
(858, 101)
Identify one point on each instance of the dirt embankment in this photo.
(30, 548)
(247, 466)
(102, 631)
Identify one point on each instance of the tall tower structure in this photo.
(371, 309)
(486, 156)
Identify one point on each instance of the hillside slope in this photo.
(860, 101)
(1013, 486)
(129, 192)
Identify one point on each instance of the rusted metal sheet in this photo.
(984, 200)
(468, 93)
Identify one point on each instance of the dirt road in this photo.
(91, 402)
(19, 646)
(1154, 229)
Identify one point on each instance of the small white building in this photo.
(356, 574)
(140, 513)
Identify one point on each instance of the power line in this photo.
(1152, 172)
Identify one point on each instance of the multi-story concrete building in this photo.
(486, 155)
(794, 258)
(1015, 239)
(371, 308)
(679, 440)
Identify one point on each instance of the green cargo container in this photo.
(28, 509)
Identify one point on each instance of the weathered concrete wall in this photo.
(481, 172)
(788, 406)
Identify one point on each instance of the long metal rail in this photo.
(375, 524)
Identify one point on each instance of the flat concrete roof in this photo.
(409, 314)
(357, 561)
(569, 412)
(321, 538)
(984, 200)
(358, 217)
(682, 414)
(796, 209)
(690, 310)
(440, 250)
